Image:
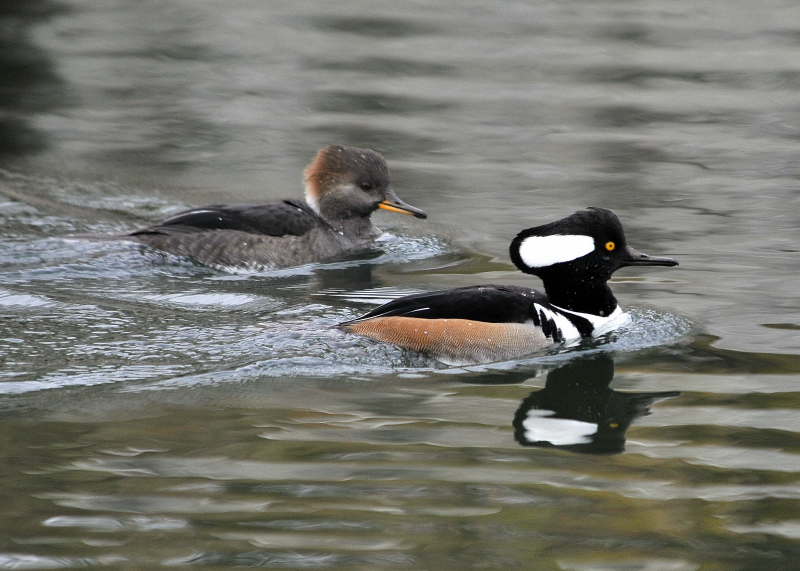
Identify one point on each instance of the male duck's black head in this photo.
(347, 182)
(576, 256)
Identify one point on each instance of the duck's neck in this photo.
(356, 228)
(595, 299)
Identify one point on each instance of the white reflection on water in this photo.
(10, 299)
(108, 524)
(27, 561)
(221, 469)
(654, 564)
(790, 529)
(197, 300)
(727, 457)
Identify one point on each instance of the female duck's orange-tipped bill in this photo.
(394, 204)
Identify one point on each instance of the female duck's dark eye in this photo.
(366, 186)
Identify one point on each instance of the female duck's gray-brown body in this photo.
(344, 186)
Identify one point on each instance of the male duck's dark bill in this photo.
(393, 204)
(636, 258)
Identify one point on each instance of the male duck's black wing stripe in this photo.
(488, 303)
(583, 325)
(548, 325)
(288, 218)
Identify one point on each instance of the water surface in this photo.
(157, 413)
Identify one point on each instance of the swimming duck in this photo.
(344, 186)
(574, 257)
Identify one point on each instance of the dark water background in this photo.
(154, 413)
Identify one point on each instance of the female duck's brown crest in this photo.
(335, 165)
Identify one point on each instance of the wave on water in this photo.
(234, 344)
(315, 350)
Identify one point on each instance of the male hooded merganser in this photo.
(344, 186)
(574, 257)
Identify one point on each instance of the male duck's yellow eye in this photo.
(610, 246)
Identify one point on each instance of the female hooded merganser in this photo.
(344, 186)
(574, 257)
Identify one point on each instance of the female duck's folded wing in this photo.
(287, 218)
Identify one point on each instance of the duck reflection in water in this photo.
(577, 411)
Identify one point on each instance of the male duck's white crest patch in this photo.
(543, 251)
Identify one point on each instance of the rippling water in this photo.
(157, 413)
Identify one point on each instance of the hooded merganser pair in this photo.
(344, 186)
(574, 257)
